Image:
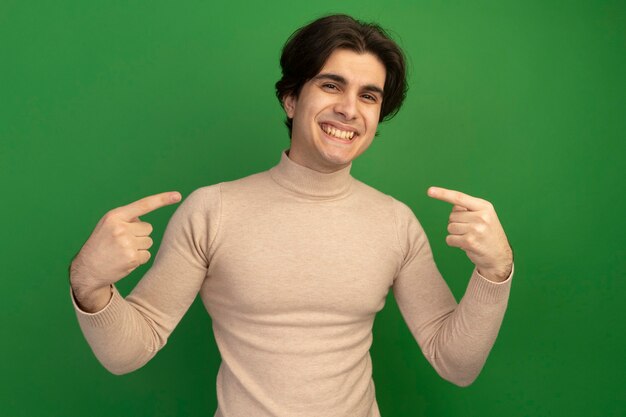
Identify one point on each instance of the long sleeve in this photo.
(127, 333)
(455, 338)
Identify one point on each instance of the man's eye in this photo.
(369, 97)
(330, 86)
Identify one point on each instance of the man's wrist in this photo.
(92, 300)
(496, 274)
(88, 298)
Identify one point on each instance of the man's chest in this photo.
(314, 259)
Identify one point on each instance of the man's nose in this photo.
(346, 105)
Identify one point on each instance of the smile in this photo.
(338, 133)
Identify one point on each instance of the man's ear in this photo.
(289, 104)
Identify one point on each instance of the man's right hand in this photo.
(116, 247)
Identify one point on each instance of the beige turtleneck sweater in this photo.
(292, 266)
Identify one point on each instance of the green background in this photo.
(520, 103)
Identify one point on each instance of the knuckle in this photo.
(118, 230)
(145, 206)
(131, 256)
(124, 242)
(109, 216)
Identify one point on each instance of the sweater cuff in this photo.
(487, 291)
(105, 317)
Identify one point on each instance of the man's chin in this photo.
(337, 162)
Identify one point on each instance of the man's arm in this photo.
(124, 334)
(455, 338)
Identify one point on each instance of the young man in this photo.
(293, 263)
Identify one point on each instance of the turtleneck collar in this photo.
(311, 183)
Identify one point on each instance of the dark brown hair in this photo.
(308, 48)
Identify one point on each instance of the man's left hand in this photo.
(474, 227)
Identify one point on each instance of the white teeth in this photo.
(342, 134)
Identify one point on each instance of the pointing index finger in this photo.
(457, 198)
(145, 205)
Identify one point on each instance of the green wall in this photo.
(520, 103)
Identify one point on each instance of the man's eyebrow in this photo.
(338, 78)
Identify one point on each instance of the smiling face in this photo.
(336, 114)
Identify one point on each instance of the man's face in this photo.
(336, 114)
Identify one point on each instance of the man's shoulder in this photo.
(247, 183)
(374, 195)
(378, 198)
